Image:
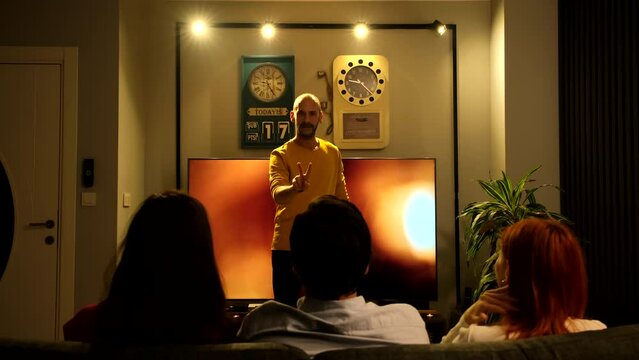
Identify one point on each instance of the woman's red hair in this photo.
(547, 277)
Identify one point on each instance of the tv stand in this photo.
(435, 325)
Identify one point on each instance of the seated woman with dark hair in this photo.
(543, 287)
(166, 287)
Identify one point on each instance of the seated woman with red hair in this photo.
(543, 287)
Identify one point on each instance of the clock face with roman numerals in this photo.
(267, 83)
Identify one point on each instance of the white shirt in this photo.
(464, 333)
(317, 325)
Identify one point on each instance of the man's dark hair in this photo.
(330, 247)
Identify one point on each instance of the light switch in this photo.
(89, 199)
(126, 200)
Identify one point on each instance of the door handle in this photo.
(49, 224)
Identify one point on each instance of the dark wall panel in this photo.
(599, 144)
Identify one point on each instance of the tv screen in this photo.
(396, 197)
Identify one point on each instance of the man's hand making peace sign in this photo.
(301, 181)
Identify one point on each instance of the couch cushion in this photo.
(17, 349)
(25, 349)
(613, 343)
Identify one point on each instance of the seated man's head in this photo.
(330, 247)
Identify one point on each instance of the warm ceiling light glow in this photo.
(198, 27)
(268, 30)
(361, 30)
(439, 27)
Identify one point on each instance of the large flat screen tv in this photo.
(396, 197)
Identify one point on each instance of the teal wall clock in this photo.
(268, 92)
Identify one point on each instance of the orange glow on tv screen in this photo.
(396, 197)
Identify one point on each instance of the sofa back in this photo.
(619, 343)
(20, 349)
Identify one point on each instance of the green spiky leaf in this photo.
(485, 220)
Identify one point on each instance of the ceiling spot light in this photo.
(198, 27)
(268, 30)
(361, 30)
(439, 27)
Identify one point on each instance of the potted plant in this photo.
(508, 204)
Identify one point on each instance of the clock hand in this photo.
(358, 81)
(364, 86)
(268, 85)
(270, 88)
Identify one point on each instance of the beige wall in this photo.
(524, 92)
(497, 91)
(132, 108)
(532, 93)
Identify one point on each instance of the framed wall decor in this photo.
(267, 95)
(361, 102)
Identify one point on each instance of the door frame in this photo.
(67, 58)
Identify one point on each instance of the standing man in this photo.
(293, 187)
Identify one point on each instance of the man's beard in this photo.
(306, 131)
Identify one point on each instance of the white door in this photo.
(30, 123)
